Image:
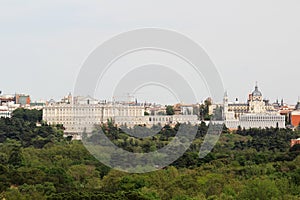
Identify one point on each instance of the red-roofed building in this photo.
(295, 118)
(295, 115)
(295, 141)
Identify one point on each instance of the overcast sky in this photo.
(44, 43)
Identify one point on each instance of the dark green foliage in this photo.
(295, 148)
(28, 115)
(28, 133)
(169, 110)
(204, 110)
(36, 162)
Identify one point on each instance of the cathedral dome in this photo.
(256, 92)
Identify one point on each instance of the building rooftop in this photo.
(256, 92)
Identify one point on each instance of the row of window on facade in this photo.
(261, 118)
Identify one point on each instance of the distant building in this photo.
(295, 115)
(22, 99)
(7, 105)
(295, 141)
(186, 109)
(212, 108)
(256, 113)
(6, 98)
(255, 104)
(155, 109)
(151, 120)
(80, 114)
(257, 121)
(39, 105)
(5, 112)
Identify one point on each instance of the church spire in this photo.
(225, 93)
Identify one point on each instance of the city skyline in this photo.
(131, 98)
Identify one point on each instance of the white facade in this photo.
(6, 109)
(255, 114)
(257, 121)
(81, 117)
(151, 120)
(187, 110)
(5, 113)
(82, 114)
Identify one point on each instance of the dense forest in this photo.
(37, 162)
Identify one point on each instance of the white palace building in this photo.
(79, 114)
(256, 113)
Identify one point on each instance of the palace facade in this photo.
(81, 114)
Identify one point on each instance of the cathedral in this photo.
(255, 104)
(255, 113)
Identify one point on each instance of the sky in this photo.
(43, 44)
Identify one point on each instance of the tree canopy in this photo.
(37, 162)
